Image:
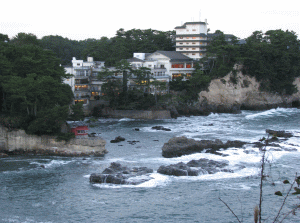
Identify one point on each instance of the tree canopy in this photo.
(273, 58)
(31, 85)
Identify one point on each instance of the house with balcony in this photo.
(84, 83)
(164, 66)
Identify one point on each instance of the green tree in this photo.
(221, 55)
(31, 85)
(142, 75)
(63, 48)
(25, 39)
(124, 68)
(158, 87)
(77, 113)
(274, 59)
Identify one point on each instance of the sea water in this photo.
(57, 189)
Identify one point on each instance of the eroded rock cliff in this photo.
(225, 96)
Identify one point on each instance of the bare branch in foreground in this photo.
(231, 210)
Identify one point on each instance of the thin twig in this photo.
(261, 178)
(293, 210)
(231, 210)
(283, 203)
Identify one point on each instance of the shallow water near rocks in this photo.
(57, 189)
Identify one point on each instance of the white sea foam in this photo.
(126, 119)
(272, 112)
(56, 163)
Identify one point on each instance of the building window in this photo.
(149, 65)
(194, 43)
(187, 43)
(194, 37)
(174, 76)
(178, 65)
(78, 64)
(188, 65)
(187, 37)
(193, 48)
(194, 29)
(180, 43)
(187, 48)
(162, 66)
(180, 37)
(181, 48)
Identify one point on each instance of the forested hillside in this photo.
(110, 50)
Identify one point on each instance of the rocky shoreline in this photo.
(19, 143)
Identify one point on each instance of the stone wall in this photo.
(136, 114)
(18, 142)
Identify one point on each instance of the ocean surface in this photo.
(57, 189)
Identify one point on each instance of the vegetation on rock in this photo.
(33, 95)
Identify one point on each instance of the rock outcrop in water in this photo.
(117, 139)
(179, 146)
(118, 174)
(193, 168)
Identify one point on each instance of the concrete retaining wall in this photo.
(134, 114)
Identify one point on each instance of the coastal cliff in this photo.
(225, 96)
(18, 142)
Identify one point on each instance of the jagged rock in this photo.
(202, 165)
(283, 134)
(161, 128)
(118, 174)
(117, 139)
(207, 165)
(179, 169)
(179, 146)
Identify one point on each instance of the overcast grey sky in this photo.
(80, 20)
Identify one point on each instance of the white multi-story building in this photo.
(191, 39)
(85, 84)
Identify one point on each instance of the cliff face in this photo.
(18, 142)
(223, 95)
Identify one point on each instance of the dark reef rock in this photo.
(179, 169)
(179, 146)
(161, 128)
(118, 174)
(117, 139)
(194, 168)
(283, 134)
